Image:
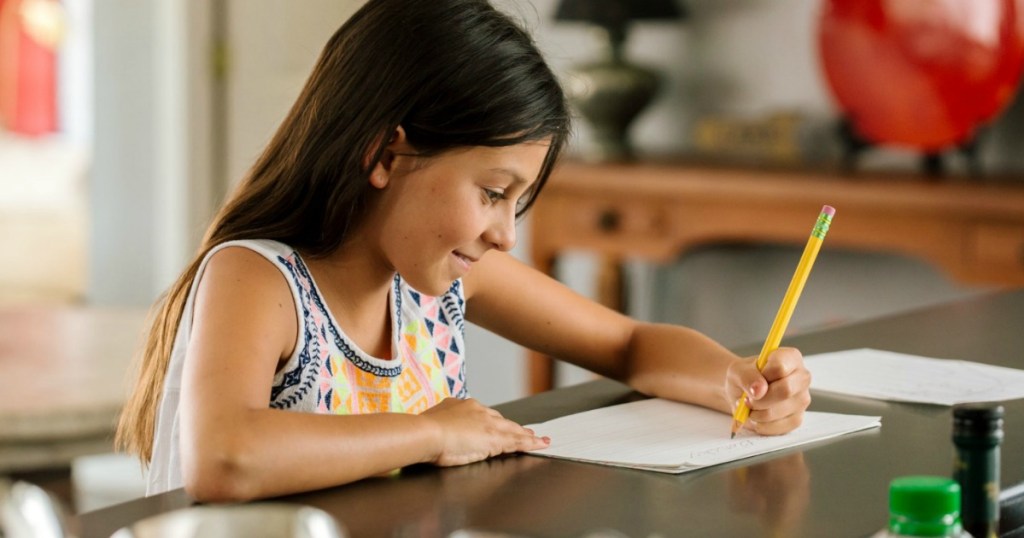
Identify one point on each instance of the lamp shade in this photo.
(611, 13)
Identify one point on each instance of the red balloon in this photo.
(922, 74)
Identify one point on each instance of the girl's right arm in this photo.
(234, 447)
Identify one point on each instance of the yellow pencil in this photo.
(796, 285)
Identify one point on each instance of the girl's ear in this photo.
(396, 145)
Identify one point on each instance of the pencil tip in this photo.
(732, 435)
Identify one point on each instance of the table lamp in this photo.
(611, 92)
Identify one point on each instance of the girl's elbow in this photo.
(216, 476)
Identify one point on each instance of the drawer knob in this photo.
(609, 220)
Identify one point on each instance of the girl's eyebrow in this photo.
(516, 178)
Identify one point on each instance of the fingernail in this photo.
(547, 440)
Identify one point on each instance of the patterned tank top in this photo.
(330, 374)
(327, 372)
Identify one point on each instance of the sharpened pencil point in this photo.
(736, 425)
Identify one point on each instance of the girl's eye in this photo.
(523, 200)
(494, 196)
(521, 204)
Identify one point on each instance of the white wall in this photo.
(122, 185)
(76, 72)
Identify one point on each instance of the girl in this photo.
(316, 339)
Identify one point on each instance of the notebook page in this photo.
(886, 375)
(670, 436)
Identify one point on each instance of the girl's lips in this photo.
(465, 261)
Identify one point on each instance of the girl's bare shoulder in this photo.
(242, 283)
(243, 297)
(241, 264)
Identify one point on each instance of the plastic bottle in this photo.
(977, 433)
(922, 506)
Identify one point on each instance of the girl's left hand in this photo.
(777, 396)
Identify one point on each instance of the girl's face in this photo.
(437, 216)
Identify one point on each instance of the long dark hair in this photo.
(452, 73)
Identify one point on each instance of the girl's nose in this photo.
(502, 234)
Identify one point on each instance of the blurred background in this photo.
(126, 122)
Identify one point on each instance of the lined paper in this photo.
(887, 375)
(672, 437)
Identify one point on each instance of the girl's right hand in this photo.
(778, 395)
(469, 431)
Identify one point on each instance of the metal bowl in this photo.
(252, 520)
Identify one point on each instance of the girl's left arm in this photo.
(526, 306)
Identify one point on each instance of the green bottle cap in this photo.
(924, 506)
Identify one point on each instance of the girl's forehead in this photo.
(518, 156)
(521, 162)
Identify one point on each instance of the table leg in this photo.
(540, 371)
(611, 290)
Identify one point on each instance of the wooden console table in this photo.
(971, 229)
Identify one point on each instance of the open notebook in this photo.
(671, 437)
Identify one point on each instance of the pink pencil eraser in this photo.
(829, 210)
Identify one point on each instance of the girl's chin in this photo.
(434, 287)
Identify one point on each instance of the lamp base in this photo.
(609, 95)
